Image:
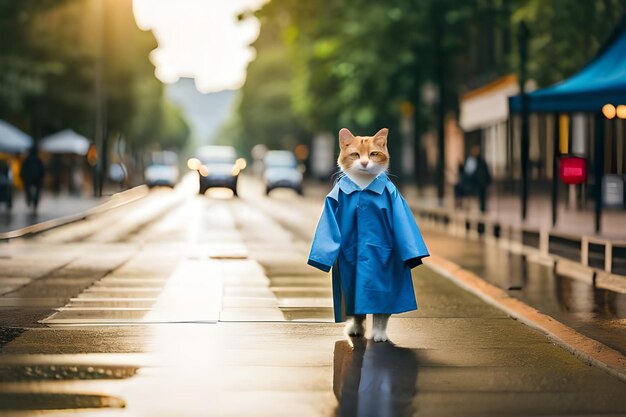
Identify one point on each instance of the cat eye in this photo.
(354, 155)
(374, 154)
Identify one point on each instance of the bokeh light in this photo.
(608, 110)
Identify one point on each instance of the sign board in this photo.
(613, 191)
(573, 170)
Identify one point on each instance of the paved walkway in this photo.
(455, 356)
(595, 312)
(50, 207)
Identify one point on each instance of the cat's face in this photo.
(363, 155)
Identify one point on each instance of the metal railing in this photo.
(596, 253)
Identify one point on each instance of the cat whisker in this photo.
(337, 176)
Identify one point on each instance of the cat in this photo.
(362, 159)
(368, 237)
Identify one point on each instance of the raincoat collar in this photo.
(377, 185)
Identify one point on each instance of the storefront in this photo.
(588, 113)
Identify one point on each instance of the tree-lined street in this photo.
(132, 285)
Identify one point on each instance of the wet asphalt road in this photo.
(179, 304)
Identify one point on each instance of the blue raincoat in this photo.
(370, 239)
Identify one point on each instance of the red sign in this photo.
(573, 170)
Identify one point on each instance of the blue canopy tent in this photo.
(602, 81)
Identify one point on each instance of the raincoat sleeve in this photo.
(408, 239)
(327, 240)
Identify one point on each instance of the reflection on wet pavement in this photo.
(595, 312)
(40, 401)
(374, 379)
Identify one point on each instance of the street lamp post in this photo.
(100, 133)
(599, 169)
(555, 168)
(524, 139)
(441, 108)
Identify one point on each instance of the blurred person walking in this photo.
(476, 177)
(32, 175)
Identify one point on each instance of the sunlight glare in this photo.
(201, 39)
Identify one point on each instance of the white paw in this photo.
(355, 329)
(379, 336)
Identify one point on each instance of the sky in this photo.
(200, 39)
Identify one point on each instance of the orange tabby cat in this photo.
(363, 158)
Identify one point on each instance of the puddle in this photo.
(20, 373)
(23, 401)
(7, 334)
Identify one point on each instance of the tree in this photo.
(324, 65)
(48, 71)
(565, 34)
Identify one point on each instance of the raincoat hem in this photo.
(319, 265)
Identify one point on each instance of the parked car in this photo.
(281, 170)
(217, 166)
(6, 184)
(162, 169)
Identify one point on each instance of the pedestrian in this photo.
(476, 176)
(368, 236)
(459, 191)
(32, 174)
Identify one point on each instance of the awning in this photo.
(13, 140)
(487, 105)
(602, 81)
(65, 141)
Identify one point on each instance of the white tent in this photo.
(65, 141)
(13, 140)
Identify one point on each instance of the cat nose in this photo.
(364, 163)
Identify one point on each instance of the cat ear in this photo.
(380, 138)
(345, 137)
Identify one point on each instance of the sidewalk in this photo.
(506, 209)
(50, 207)
(597, 313)
(56, 210)
(455, 356)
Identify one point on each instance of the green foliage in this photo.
(157, 123)
(324, 65)
(264, 111)
(566, 34)
(59, 50)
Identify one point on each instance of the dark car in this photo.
(6, 184)
(217, 166)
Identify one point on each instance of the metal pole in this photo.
(524, 139)
(598, 169)
(441, 108)
(100, 100)
(555, 168)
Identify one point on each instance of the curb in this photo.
(584, 348)
(116, 200)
